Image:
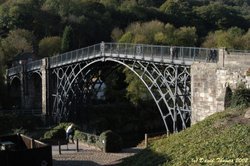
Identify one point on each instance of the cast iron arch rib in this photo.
(168, 87)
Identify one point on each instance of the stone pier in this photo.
(209, 82)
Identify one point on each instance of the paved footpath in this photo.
(88, 156)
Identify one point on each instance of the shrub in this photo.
(91, 139)
(80, 136)
(58, 132)
(55, 134)
(241, 97)
(111, 141)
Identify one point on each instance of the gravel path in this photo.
(88, 156)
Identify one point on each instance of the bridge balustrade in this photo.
(157, 53)
(14, 70)
(75, 56)
(124, 50)
(34, 65)
(239, 52)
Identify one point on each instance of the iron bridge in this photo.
(164, 70)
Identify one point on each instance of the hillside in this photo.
(221, 139)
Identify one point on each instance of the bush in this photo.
(85, 137)
(111, 141)
(81, 136)
(241, 97)
(55, 134)
(91, 139)
(58, 132)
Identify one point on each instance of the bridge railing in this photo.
(34, 65)
(14, 70)
(239, 52)
(161, 53)
(75, 56)
(130, 51)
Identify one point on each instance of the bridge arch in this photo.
(15, 92)
(168, 84)
(34, 91)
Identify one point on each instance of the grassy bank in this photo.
(221, 139)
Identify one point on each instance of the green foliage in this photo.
(223, 135)
(110, 3)
(136, 90)
(231, 38)
(55, 134)
(58, 132)
(128, 4)
(49, 46)
(116, 34)
(67, 39)
(179, 11)
(60, 7)
(241, 97)
(115, 90)
(18, 40)
(126, 38)
(217, 15)
(112, 142)
(156, 32)
(81, 136)
(246, 40)
(91, 139)
(87, 138)
(186, 36)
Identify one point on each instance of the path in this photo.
(88, 156)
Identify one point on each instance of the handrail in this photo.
(147, 52)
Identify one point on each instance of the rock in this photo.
(247, 114)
